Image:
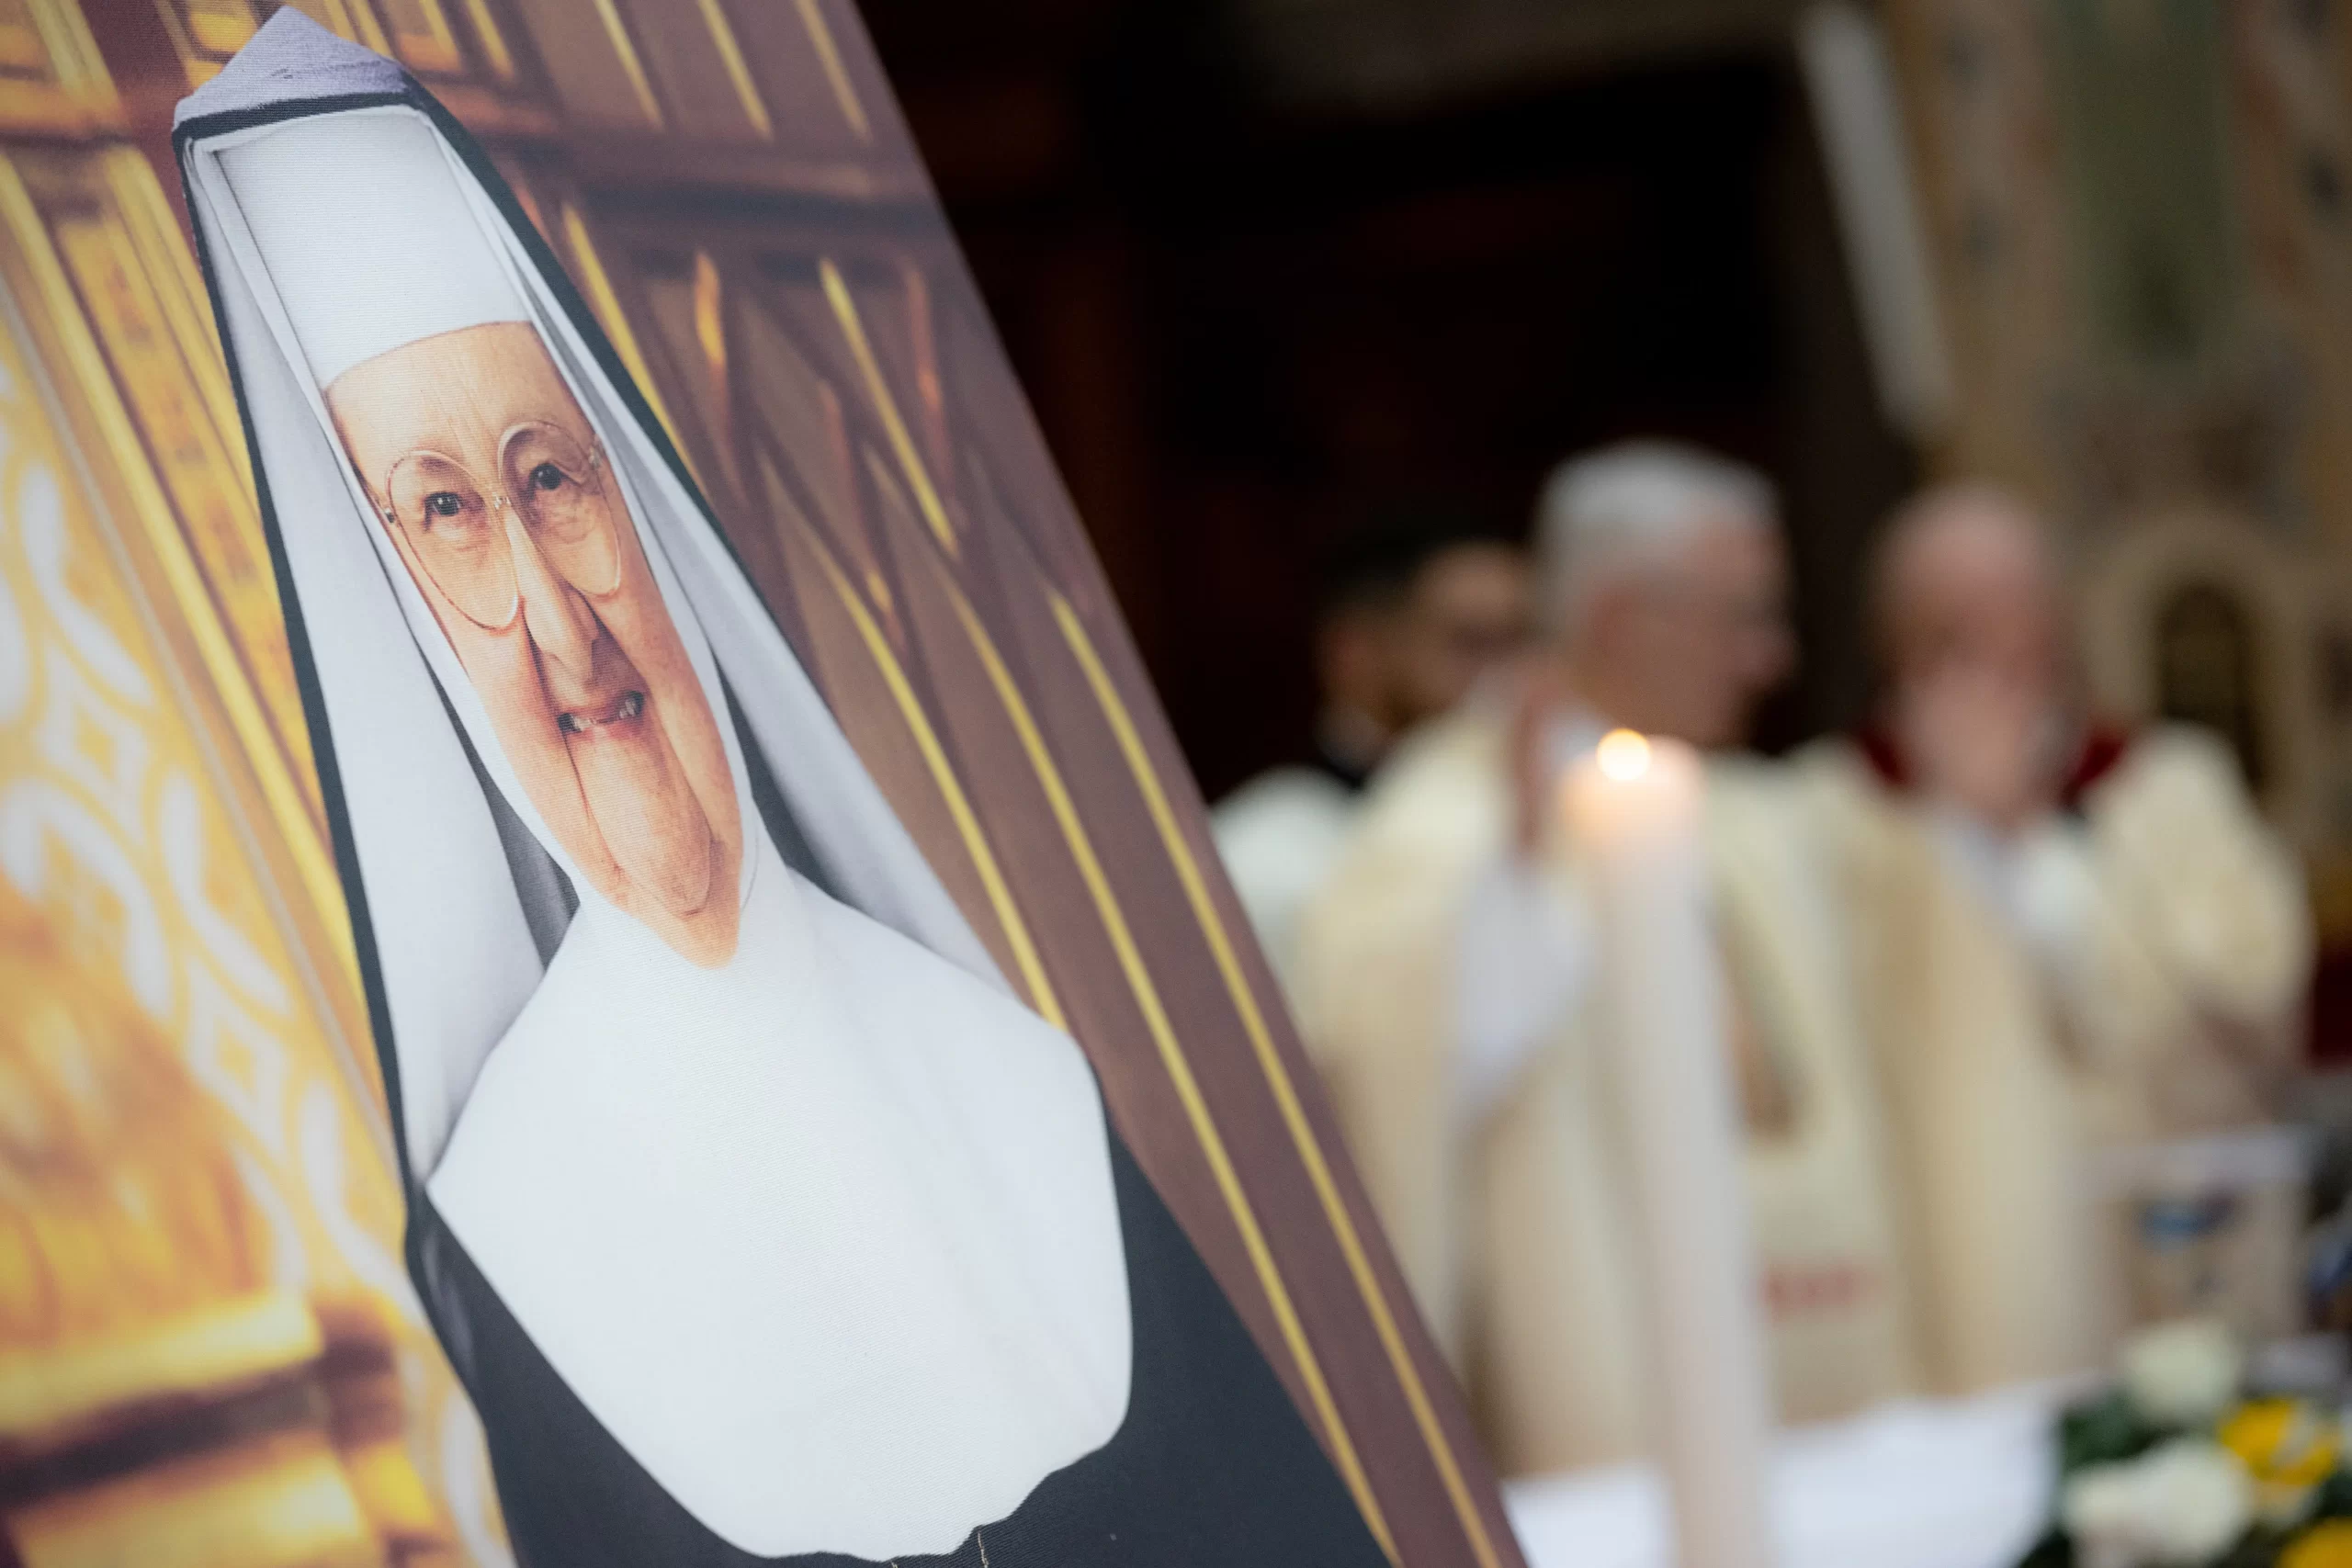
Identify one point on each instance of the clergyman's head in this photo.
(1417, 609)
(1665, 586)
(501, 502)
(1964, 578)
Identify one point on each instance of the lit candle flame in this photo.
(1623, 755)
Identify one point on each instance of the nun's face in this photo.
(492, 486)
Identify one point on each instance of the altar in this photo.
(1925, 1483)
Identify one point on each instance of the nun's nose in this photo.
(561, 624)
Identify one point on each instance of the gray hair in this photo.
(1624, 507)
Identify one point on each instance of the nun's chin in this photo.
(691, 896)
(678, 875)
(652, 824)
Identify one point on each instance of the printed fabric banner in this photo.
(609, 961)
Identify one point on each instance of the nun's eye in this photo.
(443, 503)
(547, 476)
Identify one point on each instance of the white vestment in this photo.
(2118, 974)
(1443, 992)
(1280, 835)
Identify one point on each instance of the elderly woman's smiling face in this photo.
(491, 483)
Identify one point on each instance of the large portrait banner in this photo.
(763, 1160)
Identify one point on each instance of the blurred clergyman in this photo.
(1414, 615)
(1443, 985)
(2066, 936)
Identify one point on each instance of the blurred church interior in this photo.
(1266, 265)
(1269, 265)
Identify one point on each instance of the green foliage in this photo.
(2104, 1430)
(2334, 1499)
(2260, 1549)
(2054, 1550)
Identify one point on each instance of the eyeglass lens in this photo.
(558, 494)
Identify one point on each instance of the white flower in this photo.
(2173, 1506)
(2101, 1510)
(2183, 1373)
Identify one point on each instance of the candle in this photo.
(1635, 814)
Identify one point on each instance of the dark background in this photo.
(1268, 267)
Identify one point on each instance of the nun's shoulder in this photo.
(882, 971)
